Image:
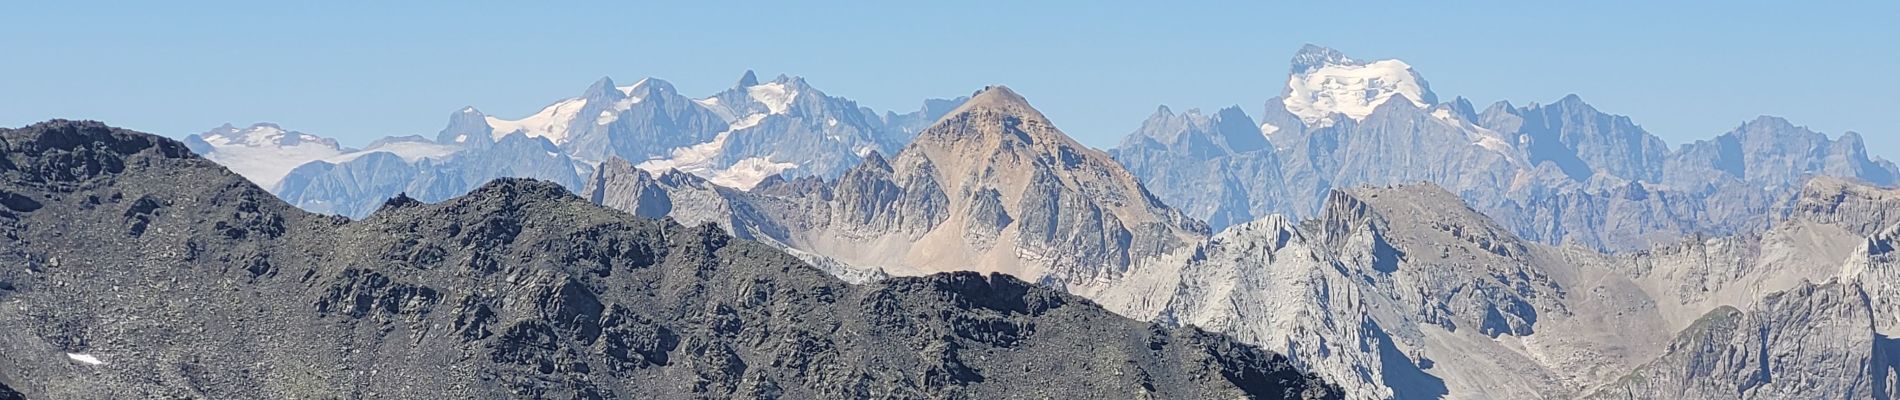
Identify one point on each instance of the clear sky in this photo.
(361, 70)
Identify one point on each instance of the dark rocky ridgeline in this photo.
(182, 280)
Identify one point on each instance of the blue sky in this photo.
(360, 70)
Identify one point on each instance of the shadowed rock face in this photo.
(183, 280)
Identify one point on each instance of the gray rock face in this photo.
(1772, 153)
(1632, 215)
(215, 289)
(1580, 140)
(689, 199)
(1392, 293)
(1810, 341)
(1860, 208)
(1405, 292)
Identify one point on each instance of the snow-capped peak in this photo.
(263, 134)
(551, 122)
(625, 103)
(1325, 82)
(265, 152)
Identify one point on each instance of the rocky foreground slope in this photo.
(133, 268)
(1404, 292)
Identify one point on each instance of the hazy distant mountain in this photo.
(1216, 167)
(1558, 173)
(1580, 140)
(357, 186)
(214, 289)
(263, 152)
(736, 138)
(1773, 154)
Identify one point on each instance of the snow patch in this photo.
(1267, 130)
(699, 159)
(775, 96)
(747, 122)
(831, 122)
(552, 122)
(748, 172)
(85, 358)
(1351, 89)
(628, 90)
(1481, 137)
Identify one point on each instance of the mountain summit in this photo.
(1326, 82)
(1027, 199)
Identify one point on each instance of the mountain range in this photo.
(1389, 243)
(1562, 173)
(735, 138)
(1372, 292)
(213, 288)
